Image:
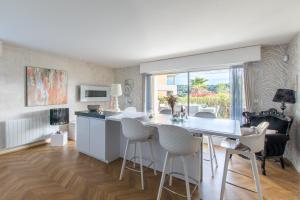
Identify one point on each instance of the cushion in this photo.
(270, 131)
(249, 131)
(241, 147)
(234, 144)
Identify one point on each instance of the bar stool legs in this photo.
(163, 176)
(214, 151)
(169, 159)
(212, 154)
(254, 171)
(227, 155)
(152, 156)
(186, 177)
(171, 169)
(256, 176)
(124, 161)
(134, 155)
(140, 152)
(141, 165)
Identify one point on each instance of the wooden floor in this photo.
(56, 173)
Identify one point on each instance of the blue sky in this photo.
(214, 77)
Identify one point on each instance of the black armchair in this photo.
(274, 143)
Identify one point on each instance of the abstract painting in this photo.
(128, 87)
(46, 86)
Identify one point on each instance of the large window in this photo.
(210, 92)
(206, 91)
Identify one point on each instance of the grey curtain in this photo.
(237, 92)
(249, 80)
(148, 95)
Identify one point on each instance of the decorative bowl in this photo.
(93, 108)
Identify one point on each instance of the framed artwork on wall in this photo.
(46, 86)
(128, 88)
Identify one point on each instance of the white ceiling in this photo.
(127, 32)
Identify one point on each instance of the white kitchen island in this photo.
(97, 136)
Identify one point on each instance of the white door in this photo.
(83, 134)
(97, 138)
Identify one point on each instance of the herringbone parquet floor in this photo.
(54, 173)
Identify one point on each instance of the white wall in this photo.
(133, 73)
(12, 81)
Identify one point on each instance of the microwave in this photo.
(90, 93)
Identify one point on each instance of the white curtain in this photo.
(237, 91)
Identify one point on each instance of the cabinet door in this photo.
(83, 134)
(97, 138)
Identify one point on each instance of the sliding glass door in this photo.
(203, 91)
(169, 84)
(210, 92)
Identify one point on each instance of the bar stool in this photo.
(178, 142)
(211, 148)
(136, 133)
(130, 110)
(165, 111)
(248, 146)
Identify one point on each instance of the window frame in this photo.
(188, 82)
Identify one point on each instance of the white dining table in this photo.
(197, 126)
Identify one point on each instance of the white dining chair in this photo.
(248, 145)
(130, 109)
(178, 142)
(165, 111)
(211, 148)
(137, 134)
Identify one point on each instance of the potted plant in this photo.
(171, 102)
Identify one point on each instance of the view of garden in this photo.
(202, 93)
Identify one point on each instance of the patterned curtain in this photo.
(237, 91)
(249, 82)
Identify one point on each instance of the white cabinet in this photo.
(97, 138)
(83, 134)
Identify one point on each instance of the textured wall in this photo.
(268, 75)
(133, 73)
(272, 73)
(293, 147)
(12, 81)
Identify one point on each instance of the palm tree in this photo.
(199, 82)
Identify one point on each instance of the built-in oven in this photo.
(90, 93)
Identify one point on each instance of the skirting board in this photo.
(23, 147)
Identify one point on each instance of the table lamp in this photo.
(284, 96)
(116, 91)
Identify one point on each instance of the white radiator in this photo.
(27, 130)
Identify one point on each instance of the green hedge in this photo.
(221, 99)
